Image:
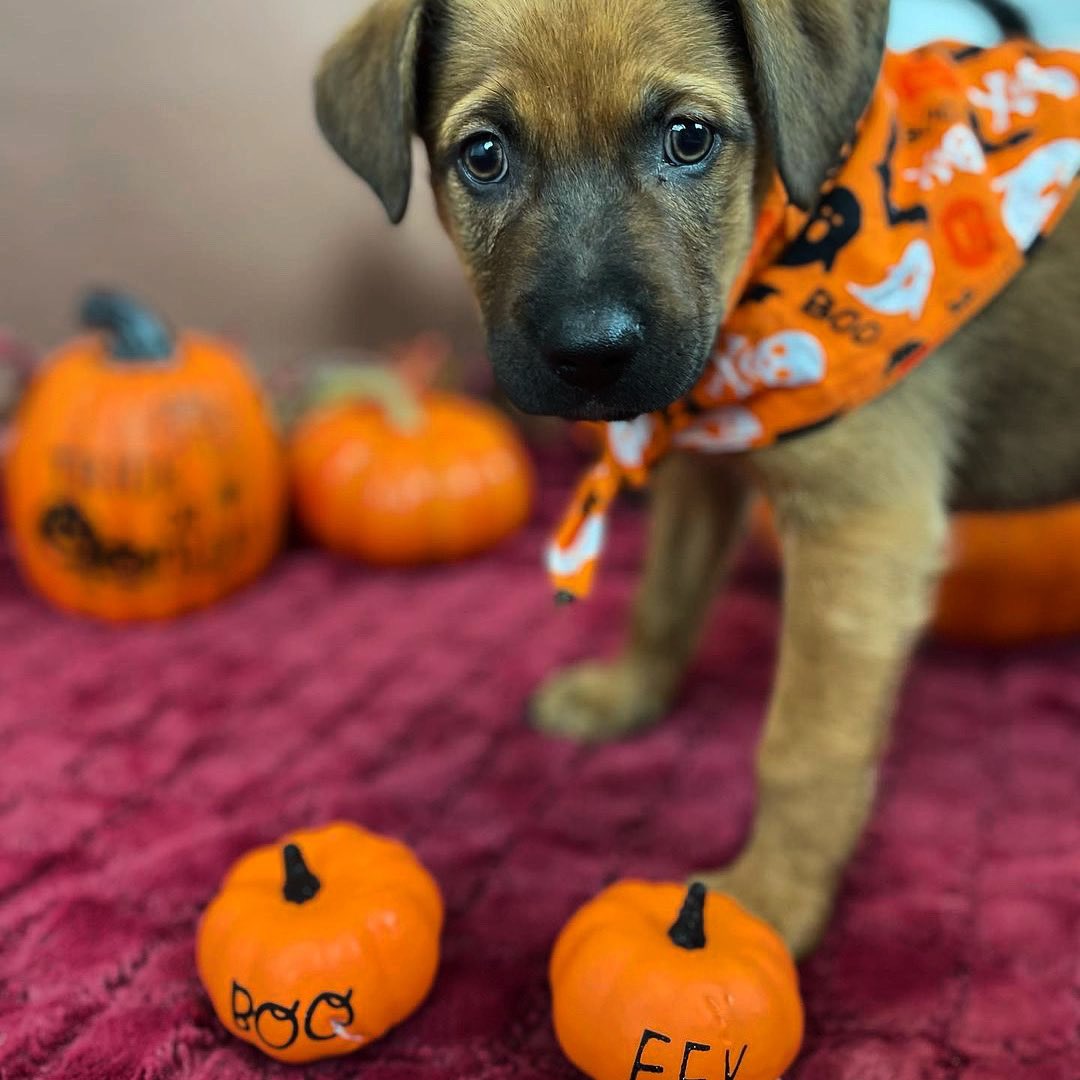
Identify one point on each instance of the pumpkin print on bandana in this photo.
(963, 160)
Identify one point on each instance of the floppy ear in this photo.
(815, 65)
(365, 98)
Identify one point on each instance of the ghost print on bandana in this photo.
(906, 285)
(1034, 189)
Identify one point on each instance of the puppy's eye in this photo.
(484, 159)
(688, 142)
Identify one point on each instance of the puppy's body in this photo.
(989, 421)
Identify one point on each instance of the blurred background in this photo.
(170, 148)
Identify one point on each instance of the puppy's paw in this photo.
(799, 911)
(596, 702)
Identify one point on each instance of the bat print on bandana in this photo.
(835, 224)
(907, 353)
(786, 359)
(960, 151)
(1006, 95)
(989, 147)
(906, 286)
(1035, 188)
(895, 214)
(967, 52)
(759, 292)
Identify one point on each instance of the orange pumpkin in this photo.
(397, 477)
(320, 944)
(144, 476)
(1012, 578)
(640, 987)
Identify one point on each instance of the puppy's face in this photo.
(598, 164)
(599, 185)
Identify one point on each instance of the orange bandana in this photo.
(963, 161)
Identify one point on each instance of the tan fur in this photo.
(367, 111)
(988, 422)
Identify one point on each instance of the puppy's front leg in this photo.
(696, 512)
(858, 587)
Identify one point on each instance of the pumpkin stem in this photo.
(137, 333)
(370, 382)
(301, 885)
(688, 930)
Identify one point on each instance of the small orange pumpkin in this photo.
(144, 476)
(320, 944)
(642, 987)
(397, 477)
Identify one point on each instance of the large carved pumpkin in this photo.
(144, 475)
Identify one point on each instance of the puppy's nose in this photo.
(590, 348)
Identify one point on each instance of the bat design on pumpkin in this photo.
(67, 529)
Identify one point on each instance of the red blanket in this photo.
(135, 765)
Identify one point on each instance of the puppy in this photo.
(600, 165)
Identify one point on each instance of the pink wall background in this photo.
(170, 148)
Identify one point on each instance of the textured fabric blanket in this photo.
(135, 765)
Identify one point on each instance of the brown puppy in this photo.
(587, 154)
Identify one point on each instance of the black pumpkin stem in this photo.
(301, 885)
(137, 333)
(688, 930)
